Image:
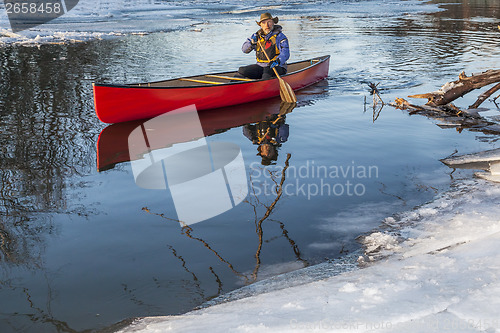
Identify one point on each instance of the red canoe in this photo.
(120, 103)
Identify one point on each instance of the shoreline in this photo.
(439, 280)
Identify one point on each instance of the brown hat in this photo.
(267, 16)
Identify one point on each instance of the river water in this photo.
(83, 247)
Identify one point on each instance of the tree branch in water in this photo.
(452, 90)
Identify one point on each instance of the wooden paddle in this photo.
(286, 92)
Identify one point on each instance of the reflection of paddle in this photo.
(286, 92)
(286, 108)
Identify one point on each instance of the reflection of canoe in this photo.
(112, 145)
(120, 103)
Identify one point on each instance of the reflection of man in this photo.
(269, 135)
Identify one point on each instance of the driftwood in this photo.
(468, 120)
(448, 109)
(485, 95)
(439, 104)
(465, 84)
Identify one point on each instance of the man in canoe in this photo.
(271, 40)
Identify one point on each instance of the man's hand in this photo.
(253, 39)
(274, 63)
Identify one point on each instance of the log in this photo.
(403, 104)
(465, 84)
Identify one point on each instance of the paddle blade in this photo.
(286, 92)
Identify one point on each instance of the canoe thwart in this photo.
(200, 81)
(228, 77)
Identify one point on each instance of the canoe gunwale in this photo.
(144, 85)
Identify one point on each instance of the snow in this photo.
(379, 241)
(448, 86)
(436, 270)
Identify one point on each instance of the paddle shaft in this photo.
(264, 50)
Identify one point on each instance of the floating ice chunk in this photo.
(484, 156)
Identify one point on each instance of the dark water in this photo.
(82, 249)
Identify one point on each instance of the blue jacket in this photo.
(281, 42)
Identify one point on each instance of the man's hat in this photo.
(267, 16)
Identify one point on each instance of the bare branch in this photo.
(484, 96)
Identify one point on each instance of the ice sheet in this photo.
(97, 19)
(484, 156)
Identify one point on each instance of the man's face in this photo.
(267, 25)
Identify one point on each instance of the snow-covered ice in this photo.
(91, 19)
(483, 156)
(436, 269)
